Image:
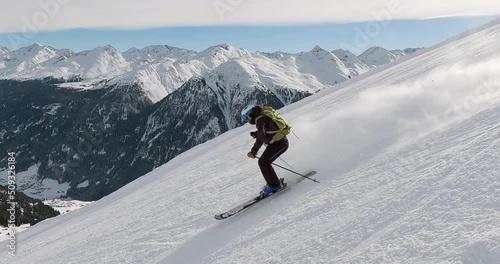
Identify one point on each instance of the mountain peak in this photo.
(376, 56)
(222, 46)
(156, 54)
(131, 50)
(317, 51)
(274, 55)
(98, 50)
(35, 48)
(172, 48)
(35, 45)
(215, 55)
(156, 47)
(166, 50)
(317, 48)
(376, 49)
(109, 48)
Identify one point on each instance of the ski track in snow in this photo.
(405, 178)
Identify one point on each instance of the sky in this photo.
(397, 34)
(257, 25)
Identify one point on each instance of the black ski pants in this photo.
(272, 152)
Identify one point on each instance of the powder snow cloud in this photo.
(447, 95)
(50, 15)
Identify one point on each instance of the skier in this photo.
(269, 133)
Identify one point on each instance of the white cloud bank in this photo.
(48, 15)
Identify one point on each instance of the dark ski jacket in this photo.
(265, 126)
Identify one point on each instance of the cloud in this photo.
(48, 15)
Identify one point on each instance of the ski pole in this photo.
(314, 180)
(286, 163)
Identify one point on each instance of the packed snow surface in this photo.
(5, 232)
(408, 160)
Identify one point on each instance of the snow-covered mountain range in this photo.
(153, 103)
(161, 69)
(407, 156)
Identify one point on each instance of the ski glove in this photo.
(251, 155)
(253, 134)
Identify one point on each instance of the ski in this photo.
(248, 203)
(259, 198)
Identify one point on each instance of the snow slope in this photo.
(4, 231)
(408, 163)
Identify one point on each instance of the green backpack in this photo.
(284, 128)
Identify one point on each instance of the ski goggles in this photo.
(245, 116)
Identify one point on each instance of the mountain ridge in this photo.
(161, 69)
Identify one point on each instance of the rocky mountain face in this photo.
(59, 134)
(85, 124)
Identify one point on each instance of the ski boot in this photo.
(270, 190)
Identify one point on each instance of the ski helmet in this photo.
(246, 112)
